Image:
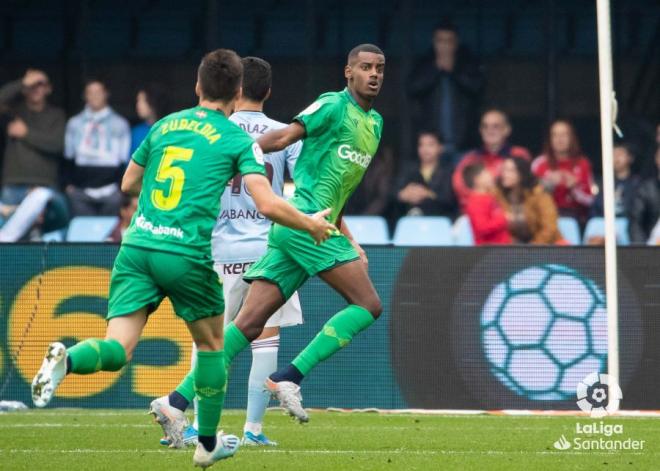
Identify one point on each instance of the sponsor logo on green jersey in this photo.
(346, 152)
(142, 223)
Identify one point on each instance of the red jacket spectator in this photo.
(495, 131)
(574, 195)
(488, 219)
(565, 172)
(491, 160)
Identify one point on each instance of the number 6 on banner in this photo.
(175, 175)
(59, 285)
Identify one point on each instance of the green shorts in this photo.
(293, 257)
(143, 277)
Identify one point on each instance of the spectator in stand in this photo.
(35, 138)
(625, 183)
(645, 212)
(487, 217)
(531, 212)
(97, 142)
(565, 172)
(425, 188)
(373, 196)
(446, 87)
(495, 131)
(126, 212)
(151, 104)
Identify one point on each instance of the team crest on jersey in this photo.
(258, 153)
(313, 108)
(200, 114)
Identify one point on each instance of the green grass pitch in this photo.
(89, 440)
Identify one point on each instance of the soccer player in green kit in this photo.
(341, 134)
(180, 172)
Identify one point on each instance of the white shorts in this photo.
(235, 290)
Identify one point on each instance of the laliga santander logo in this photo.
(598, 394)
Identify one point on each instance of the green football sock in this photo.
(335, 335)
(94, 355)
(187, 386)
(210, 386)
(235, 342)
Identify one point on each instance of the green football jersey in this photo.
(341, 140)
(188, 158)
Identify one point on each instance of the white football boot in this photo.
(172, 420)
(288, 393)
(225, 447)
(50, 375)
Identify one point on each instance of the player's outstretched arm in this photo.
(281, 138)
(281, 212)
(132, 181)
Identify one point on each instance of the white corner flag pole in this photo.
(606, 125)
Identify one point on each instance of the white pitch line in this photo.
(630, 415)
(347, 452)
(51, 425)
(400, 428)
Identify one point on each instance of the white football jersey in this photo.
(241, 232)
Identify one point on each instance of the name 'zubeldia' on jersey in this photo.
(204, 129)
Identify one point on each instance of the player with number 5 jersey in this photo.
(239, 239)
(179, 172)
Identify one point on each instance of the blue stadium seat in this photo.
(53, 236)
(423, 231)
(570, 230)
(91, 228)
(462, 232)
(596, 227)
(368, 229)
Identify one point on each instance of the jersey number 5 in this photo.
(175, 176)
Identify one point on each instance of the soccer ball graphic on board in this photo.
(543, 330)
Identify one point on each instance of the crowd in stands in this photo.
(54, 169)
(510, 197)
(466, 163)
(507, 195)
